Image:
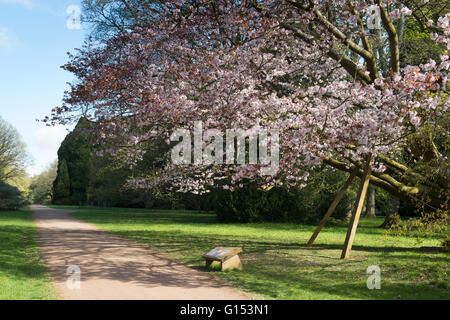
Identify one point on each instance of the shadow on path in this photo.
(113, 267)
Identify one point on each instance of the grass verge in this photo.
(22, 274)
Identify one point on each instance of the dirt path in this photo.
(116, 268)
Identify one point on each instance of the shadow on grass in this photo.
(274, 267)
(284, 269)
(384, 249)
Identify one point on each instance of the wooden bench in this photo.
(227, 258)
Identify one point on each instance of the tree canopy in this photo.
(306, 68)
(13, 155)
(41, 185)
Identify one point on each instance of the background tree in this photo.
(370, 210)
(61, 185)
(41, 187)
(13, 156)
(10, 197)
(73, 166)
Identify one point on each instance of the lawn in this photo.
(22, 274)
(276, 263)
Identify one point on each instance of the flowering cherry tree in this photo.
(308, 68)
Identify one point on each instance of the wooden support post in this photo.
(332, 207)
(356, 212)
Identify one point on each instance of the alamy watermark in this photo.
(73, 22)
(374, 279)
(374, 19)
(258, 139)
(73, 282)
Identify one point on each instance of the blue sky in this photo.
(34, 41)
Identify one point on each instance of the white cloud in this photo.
(24, 3)
(50, 137)
(7, 41)
(44, 146)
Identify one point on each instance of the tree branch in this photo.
(393, 38)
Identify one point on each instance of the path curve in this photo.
(114, 268)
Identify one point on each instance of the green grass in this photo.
(22, 274)
(276, 263)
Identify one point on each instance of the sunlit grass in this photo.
(22, 274)
(276, 263)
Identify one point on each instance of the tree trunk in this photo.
(364, 209)
(370, 204)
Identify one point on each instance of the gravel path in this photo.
(114, 268)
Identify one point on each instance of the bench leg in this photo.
(232, 263)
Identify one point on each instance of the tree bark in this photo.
(370, 204)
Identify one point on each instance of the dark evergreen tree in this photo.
(61, 185)
(74, 154)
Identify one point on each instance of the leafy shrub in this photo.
(247, 204)
(383, 205)
(392, 221)
(251, 204)
(446, 244)
(429, 224)
(10, 197)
